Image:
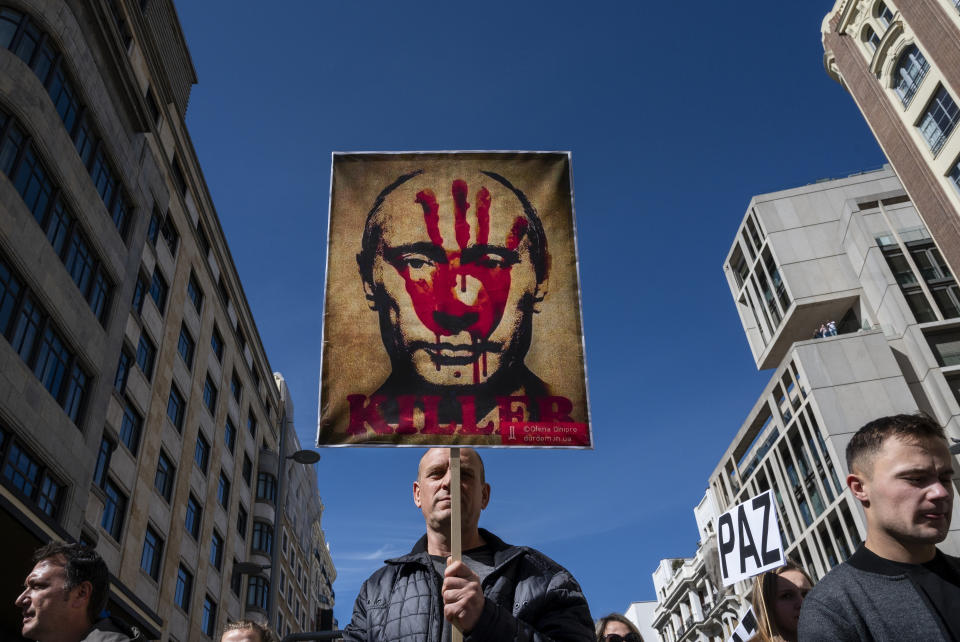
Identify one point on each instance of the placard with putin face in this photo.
(452, 303)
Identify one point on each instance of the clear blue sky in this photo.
(676, 114)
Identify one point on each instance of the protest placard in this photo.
(748, 539)
(746, 628)
(452, 304)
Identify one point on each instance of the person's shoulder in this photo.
(113, 630)
(835, 583)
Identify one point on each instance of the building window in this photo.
(28, 478)
(146, 355)
(21, 163)
(185, 346)
(208, 620)
(258, 592)
(103, 461)
(883, 14)
(262, 537)
(242, 522)
(158, 290)
(194, 292)
(236, 578)
(170, 235)
(203, 241)
(236, 387)
(130, 427)
(216, 550)
(179, 181)
(210, 395)
(252, 421)
(954, 174)
(175, 408)
(152, 553)
(201, 454)
(114, 508)
(33, 336)
(140, 293)
(10, 290)
(192, 520)
(938, 120)
(870, 38)
(181, 595)
(123, 370)
(153, 229)
(933, 271)
(230, 435)
(247, 469)
(909, 72)
(216, 342)
(163, 480)
(223, 491)
(266, 487)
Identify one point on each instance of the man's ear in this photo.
(485, 496)
(367, 286)
(80, 595)
(858, 486)
(416, 494)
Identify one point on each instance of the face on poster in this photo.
(452, 307)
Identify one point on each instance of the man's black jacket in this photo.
(529, 597)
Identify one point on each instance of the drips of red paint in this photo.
(435, 298)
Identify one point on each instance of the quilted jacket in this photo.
(529, 597)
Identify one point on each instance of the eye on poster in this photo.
(452, 304)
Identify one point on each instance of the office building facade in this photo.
(900, 61)
(843, 293)
(138, 410)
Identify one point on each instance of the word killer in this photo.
(420, 414)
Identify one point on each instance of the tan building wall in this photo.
(864, 40)
(111, 249)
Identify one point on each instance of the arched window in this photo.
(908, 73)
(883, 14)
(870, 37)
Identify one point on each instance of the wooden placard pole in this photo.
(455, 526)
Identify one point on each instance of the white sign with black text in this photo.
(747, 627)
(748, 539)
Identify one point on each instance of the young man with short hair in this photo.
(64, 595)
(897, 586)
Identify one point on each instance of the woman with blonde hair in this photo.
(616, 628)
(777, 596)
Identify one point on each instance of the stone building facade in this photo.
(843, 293)
(138, 410)
(900, 61)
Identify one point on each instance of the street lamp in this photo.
(307, 458)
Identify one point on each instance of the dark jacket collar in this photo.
(866, 560)
(502, 552)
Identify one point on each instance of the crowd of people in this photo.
(896, 586)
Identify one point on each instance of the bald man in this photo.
(498, 592)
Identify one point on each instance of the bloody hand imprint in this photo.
(463, 290)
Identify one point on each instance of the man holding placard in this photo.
(897, 586)
(497, 592)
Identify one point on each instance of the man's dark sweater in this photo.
(870, 598)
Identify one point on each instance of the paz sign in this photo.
(748, 539)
